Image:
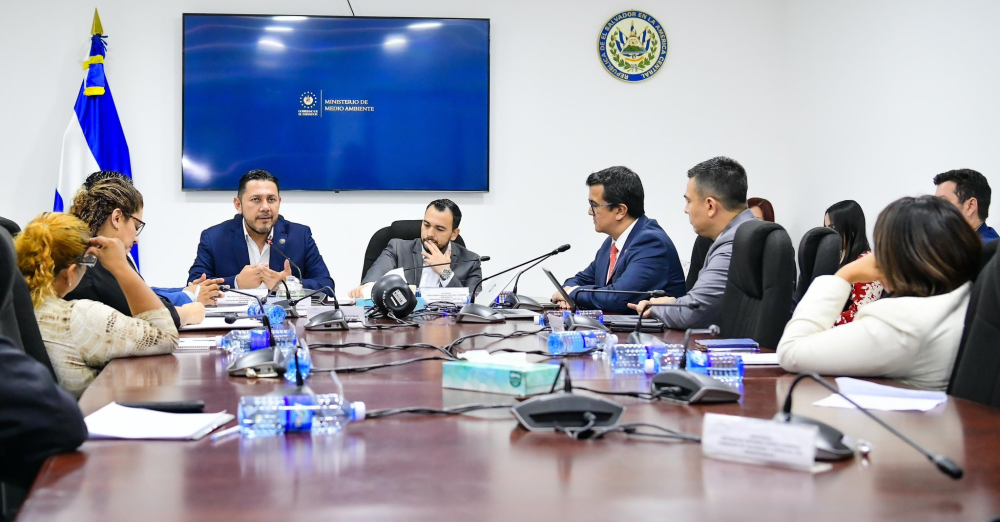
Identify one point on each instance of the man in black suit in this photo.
(435, 246)
(37, 419)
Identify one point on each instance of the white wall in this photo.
(886, 94)
(820, 102)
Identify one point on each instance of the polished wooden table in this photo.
(483, 466)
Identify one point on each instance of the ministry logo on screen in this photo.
(308, 101)
(632, 46)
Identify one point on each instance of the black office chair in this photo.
(17, 314)
(819, 254)
(404, 229)
(976, 373)
(17, 322)
(698, 253)
(757, 302)
(10, 226)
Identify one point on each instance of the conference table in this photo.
(483, 466)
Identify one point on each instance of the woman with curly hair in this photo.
(82, 336)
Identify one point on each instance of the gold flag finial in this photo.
(96, 27)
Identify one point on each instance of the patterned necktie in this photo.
(614, 257)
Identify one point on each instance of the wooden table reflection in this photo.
(483, 467)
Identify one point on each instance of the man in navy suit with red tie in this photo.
(637, 256)
(250, 250)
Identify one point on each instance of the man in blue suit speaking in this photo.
(254, 248)
(637, 255)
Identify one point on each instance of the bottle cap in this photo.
(358, 411)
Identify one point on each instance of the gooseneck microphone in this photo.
(278, 250)
(290, 304)
(580, 322)
(514, 300)
(260, 301)
(542, 257)
(830, 444)
(711, 330)
(638, 337)
(692, 388)
(267, 360)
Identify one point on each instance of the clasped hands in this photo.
(253, 275)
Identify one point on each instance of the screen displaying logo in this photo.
(309, 104)
(632, 46)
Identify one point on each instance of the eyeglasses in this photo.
(594, 206)
(139, 225)
(87, 260)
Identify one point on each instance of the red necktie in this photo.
(614, 257)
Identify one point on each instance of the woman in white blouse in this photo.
(926, 255)
(82, 336)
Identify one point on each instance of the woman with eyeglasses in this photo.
(847, 219)
(111, 207)
(54, 253)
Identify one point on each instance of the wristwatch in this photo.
(446, 274)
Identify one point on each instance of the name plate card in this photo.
(757, 441)
(454, 295)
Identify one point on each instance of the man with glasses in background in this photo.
(637, 255)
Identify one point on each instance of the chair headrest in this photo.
(406, 229)
(754, 239)
(819, 251)
(11, 226)
(8, 268)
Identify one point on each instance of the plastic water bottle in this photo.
(304, 360)
(665, 357)
(594, 314)
(274, 312)
(629, 358)
(578, 341)
(726, 367)
(236, 341)
(325, 414)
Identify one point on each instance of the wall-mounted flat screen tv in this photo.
(336, 103)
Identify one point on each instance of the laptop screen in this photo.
(559, 287)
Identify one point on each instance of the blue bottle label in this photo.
(299, 419)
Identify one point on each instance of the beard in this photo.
(258, 230)
(443, 248)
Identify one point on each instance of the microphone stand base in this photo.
(831, 443)
(693, 388)
(523, 302)
(477, 313)
(561, 410)
(582, 322)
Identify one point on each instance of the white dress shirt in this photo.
(430, 278)
(257, 255)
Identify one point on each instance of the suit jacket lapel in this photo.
(413, 276)
(238, 237)
(603, 261)
(620, 261)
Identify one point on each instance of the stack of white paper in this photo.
(759, 359)
(195, 343)
(119, 422)
(879, 397)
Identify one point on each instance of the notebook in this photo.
(728, 345)
(119, 422)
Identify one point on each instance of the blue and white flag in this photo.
(94, 139)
